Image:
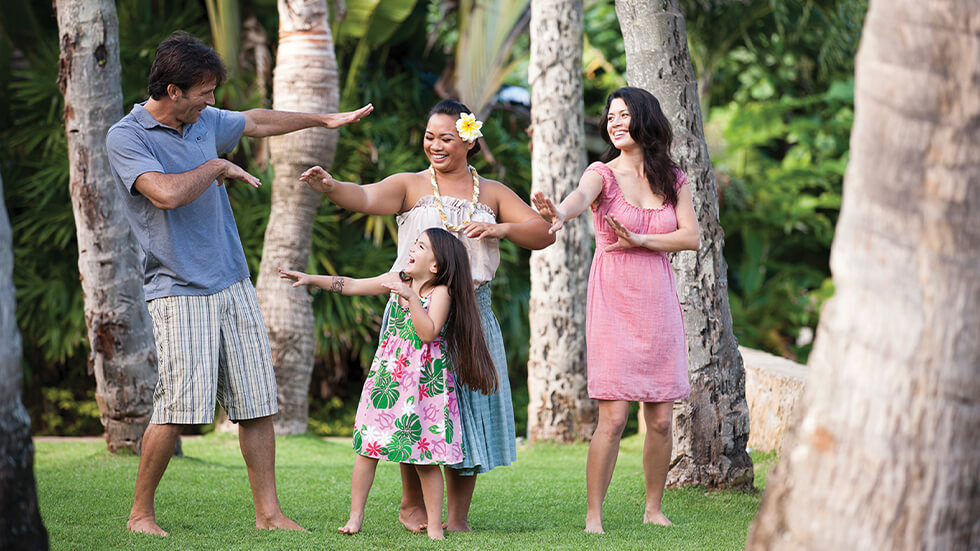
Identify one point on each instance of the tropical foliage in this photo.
(780, 108)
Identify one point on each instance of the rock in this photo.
(773, 385)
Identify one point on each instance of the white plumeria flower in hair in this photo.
(468, 127)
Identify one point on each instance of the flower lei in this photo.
(442, 210)
(468, 127)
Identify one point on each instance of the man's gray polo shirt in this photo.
(193, 249)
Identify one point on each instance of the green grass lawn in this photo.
(205, 503)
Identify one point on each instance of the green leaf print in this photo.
(399, 448)
(427, 455)
(411, 424)
(402, 321)
(384, 394)
(410, 400)
(433, 377)
(449, 426)
(435, 429)
(358, 440)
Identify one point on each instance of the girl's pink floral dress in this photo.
(408, 411)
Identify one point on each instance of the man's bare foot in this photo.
(457, 527)
(278, 522)
(413, 519)
(145, 526)
(593, 524)
(656, 518)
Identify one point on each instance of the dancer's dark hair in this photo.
(454, 109)
(651, 130)
(464, 333)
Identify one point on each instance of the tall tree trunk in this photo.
(305, 80)
(123, 356)
(885, 455)
(560, 407)
(20, 520)
(712, 426)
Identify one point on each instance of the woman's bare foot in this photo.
(145, 526)
(413, 519)
(353, 525)
(278, 522)
(593, 524)
(454, 527)
(656, 517)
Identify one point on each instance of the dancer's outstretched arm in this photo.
(341, 284)
(573, 205)
(382, 198)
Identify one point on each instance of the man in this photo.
(210, 338)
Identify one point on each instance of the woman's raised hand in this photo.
(298, 278)
(479, 230)
(626, 239)
(400, 288)
(318, 179)
(548, 211)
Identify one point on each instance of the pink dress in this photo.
(408, 411)
(634, 330)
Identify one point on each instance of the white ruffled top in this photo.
(484, 253)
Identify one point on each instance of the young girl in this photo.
(408, 410)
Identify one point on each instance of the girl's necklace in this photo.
(442, 210)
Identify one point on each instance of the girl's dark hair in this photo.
(464, 332)
(183, 60)
(454, 109)
(650, 129)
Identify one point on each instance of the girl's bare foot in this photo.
(145, 526)
(413, 519)
(435, 534)
(593, 524)
(353, 525)
(656, 517)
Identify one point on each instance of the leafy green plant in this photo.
(781, 176)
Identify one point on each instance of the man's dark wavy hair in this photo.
(184, 61)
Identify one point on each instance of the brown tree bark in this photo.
(560, 407)
(885, 455)
(123, 356)
(712, 426)
(20, 521)
(305, 79)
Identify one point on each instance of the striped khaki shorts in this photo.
(212, 347)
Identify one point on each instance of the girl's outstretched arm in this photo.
(429, 324)
(341, 284)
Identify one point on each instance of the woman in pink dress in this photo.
(642, 210)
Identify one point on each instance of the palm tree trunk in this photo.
(305, 79)
(713, 424)
(560, 408)
(20, 521)
(885, 454)
(123, 356)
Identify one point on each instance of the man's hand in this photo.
(336, 120)
(234, 172)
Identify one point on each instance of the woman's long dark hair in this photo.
(650, 129)
(454, 109)
(464, 332)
